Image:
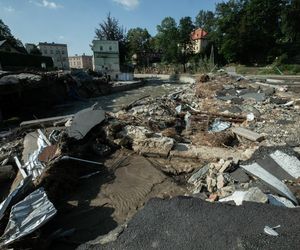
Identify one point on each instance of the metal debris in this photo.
(27, 216)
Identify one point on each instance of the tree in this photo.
(185, 29)
(205, 20)
(110, 29)
(5, 34)
(138, 41)
(167, 39)
(291, 21)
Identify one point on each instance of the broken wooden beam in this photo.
(46, 122)
(248, 134)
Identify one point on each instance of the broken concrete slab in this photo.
(199, 174)
(160, 146)
(252, 195)
(248, 134)
(240, 175)
(258, 97)
(273, 167)
(183, 150)
(136, 132)
(290, 164)
(85, 120)
(271, 180)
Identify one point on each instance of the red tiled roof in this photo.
(198, 34)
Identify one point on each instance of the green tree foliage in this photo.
(185, 29)
(5, 34)
(168, 40)
(247, 31)
(110, 29)
(205, 20)
(138, 41)
(291, 21)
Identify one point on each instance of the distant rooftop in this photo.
(198, 34)
(52, 44)
(76, 55)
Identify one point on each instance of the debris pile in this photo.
(215, 140)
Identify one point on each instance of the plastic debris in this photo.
(178, 108)
(280, 201)
(250, 117)
(270, 230)
(219, 126)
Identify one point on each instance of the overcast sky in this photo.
(74, 21)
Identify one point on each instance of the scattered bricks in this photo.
(212, 197)
(225, 166)
(221, 181)
(211, 181)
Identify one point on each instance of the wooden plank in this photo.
(19, 165)
(248, 134)
(44, 122)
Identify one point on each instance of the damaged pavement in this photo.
(220, 157)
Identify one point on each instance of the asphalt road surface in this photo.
(190, 223)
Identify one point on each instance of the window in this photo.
(57, 52)
(64, 59)
(51, 51)
(62, 52)
(101, 48)
(45, 52)
(57, 60)
(110, 48)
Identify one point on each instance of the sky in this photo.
(74, 21)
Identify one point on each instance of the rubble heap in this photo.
(222, 139)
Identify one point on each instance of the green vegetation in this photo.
(248, 32)
(5, 34)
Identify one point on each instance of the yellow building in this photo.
(81, 62)
(199, 39)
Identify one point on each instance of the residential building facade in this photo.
(58, 52)
(106, 57)
(81, 62)
(199, 40)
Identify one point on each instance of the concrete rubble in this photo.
(220, 140)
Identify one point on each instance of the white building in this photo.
(106, 57)
(58, 52)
